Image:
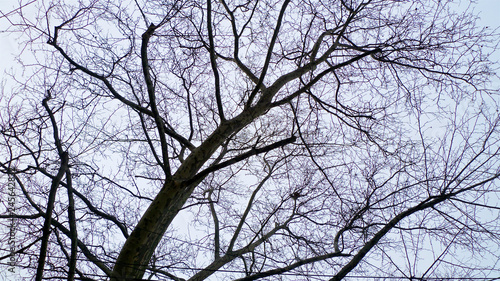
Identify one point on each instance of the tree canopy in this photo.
(252, 140)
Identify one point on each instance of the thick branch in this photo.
(213, 61)
(269, 53)
(72, 227)
(48, 215)
(430, 202)
(52, 193)
(152, 98)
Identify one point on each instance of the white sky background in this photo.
(488, 11)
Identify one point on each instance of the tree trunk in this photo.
(142, 242)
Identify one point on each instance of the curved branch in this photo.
(152, 99)
(292, 266)
(429, 203)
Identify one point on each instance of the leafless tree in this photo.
(246, 140)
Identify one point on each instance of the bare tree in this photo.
(245, 140)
